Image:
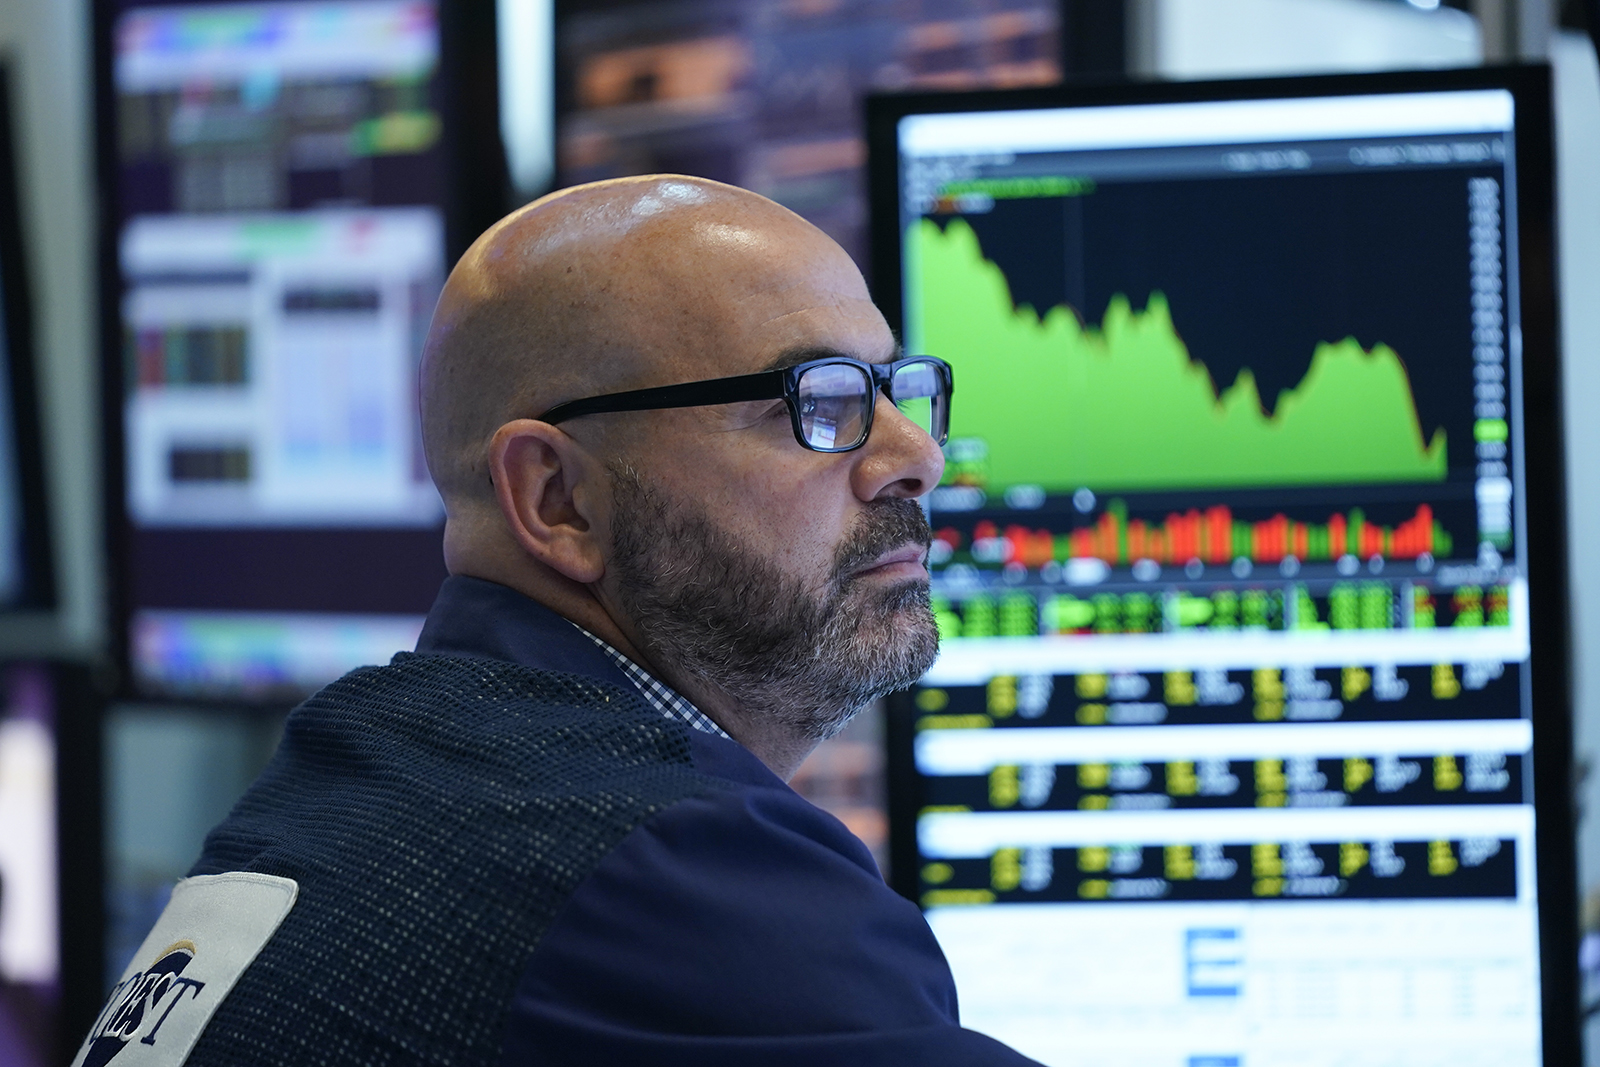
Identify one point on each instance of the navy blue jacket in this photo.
(726, 921)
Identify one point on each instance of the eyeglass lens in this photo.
(834, 401)
(918, 391)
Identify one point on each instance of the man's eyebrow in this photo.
(793, 357)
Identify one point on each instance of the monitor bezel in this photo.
(75, 713)
(478, 192)
(1545, 505)
(80, 703)
(36, 555)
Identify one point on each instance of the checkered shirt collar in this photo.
(664, 699)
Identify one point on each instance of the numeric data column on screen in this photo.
(1490, 430)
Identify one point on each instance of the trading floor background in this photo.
(766, 94)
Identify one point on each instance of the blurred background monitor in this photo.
(1248, 740)
(766, 94)
(27, 579)
(30, 949)
(50, 887)
(50, 861)
(286, 185)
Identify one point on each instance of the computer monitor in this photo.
(1248, 738)
(767, 95)
(285, 194)
(27, 578)
(30, 943)
(52, 966)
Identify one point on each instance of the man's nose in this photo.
(899, 458)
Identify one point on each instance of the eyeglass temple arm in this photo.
(765, 386)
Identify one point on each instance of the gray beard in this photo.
(709, 608)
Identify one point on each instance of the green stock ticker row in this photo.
(1345, 606)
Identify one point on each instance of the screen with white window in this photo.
(280, 185)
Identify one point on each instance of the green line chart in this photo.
(1122, 405)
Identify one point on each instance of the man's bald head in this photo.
(777, 587)
(595, 289)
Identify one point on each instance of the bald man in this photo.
(680, 454)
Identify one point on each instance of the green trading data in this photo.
(1061, 405)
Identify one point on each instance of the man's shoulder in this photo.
(427, 683)
(507, 749)
(435, 815)
(741, 926)
(465, 714)
(750, 805)
(742, 922)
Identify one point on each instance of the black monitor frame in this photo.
(79, 850)
(1543, 445)
(75, 710)
(38, 590)
(81, 857)
(478, 193)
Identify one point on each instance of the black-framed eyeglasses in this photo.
(830, 401)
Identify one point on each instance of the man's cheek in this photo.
(802, 548)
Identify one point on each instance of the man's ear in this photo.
(548, 487)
